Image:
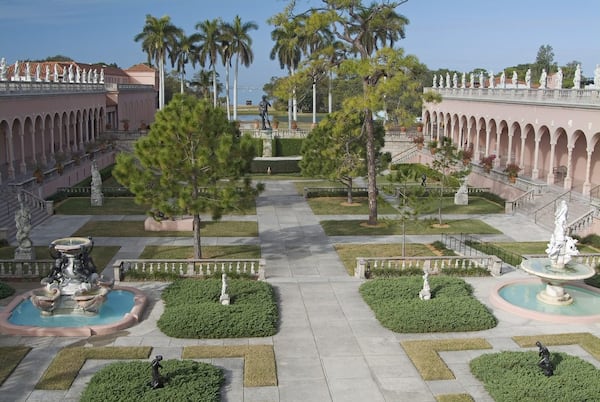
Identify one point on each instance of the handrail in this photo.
(582, 222)
(553, 203)
(512, 206)
(595, 193)
(405, 154)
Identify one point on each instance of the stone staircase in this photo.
(541, 208)
(9, 206)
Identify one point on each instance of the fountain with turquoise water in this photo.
(74, 300)
(560, 297)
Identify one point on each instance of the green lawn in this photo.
(170, 252)
(349, 252)
(394, 227)
(121, 206)
(338, 206)
(111, 206)
(477, 205)
(536, 247)
(136, 229)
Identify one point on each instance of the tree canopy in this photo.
(192, 161)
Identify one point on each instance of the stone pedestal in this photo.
(96, 200)
(461, 199)
(224, 299)
(24, 254)
(267, 148)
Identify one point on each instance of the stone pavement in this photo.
(329, 346)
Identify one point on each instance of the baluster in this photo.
(252, 268)
(238, 270)
(208, 268)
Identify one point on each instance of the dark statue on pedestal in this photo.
(157, 380)
(545, 364)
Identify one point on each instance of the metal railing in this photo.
(332, 191)
(544, 210)
(512, 206)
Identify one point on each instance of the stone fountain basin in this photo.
(542, 267)
(68, 245)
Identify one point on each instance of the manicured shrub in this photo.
(515, 376)
(393, 272)
(276, 165)
(287, 146)
(193, 310)
(185, 380)
(452, 307)
(5, 290)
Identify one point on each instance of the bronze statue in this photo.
(157, 380)
(545, 364)
(263, 110)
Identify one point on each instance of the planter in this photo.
(512, 179)
(294, 125)
(420, 129)
(466, 162)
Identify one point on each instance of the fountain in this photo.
(75, 299)
(73, 286)
(554, 299)
(558, 268)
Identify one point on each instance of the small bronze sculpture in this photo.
(157, 380)
(545, 364)
(263, 110)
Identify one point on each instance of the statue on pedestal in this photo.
(544, 363)
(514, 79)
(425, 293)
(597, 77)
(543, 79)
(455, 81)
(463, 80)
(24, 250)
(561, 248)
(224, 299)
(434, 81)
(3, 69)
(528, 78)
(577, 77)
(503, 80)
(558, 79)
(472, 80)
(263, 110)
(157, 380)
(96, 188)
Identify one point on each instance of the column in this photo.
(79, 127)
(550, 178)
(487, 141)
(536, 172)
(22, 165)
(522, 156)
(43, 159)
(497, 152)
(568, 179)
(11, 154)
(52, 143)
(511, 133)
(33, 150)
(587, 186)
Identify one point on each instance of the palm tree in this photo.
(209, 45)
(288, 51)
(184, 52)
(226, 52)
(158, 38)
(241, 47)
(201, 82)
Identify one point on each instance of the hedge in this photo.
(452, 307)
(5, 290)
(287, 146)
(184, 380)
(193, 310)
(277, 166)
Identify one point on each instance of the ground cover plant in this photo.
(452, 307)
(193, 310)
(6, 290)
(515, 376)
(394, 227)
(110, 206)
(184, 380)
(477, 205)
(136, 229)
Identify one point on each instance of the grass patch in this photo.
(587, 341)
(349, 252)
(338, 206)
(537, 247)
(514, 376)
(388, 227)
(182, 252)
(452, 307)
(110, 206)
(259, 361)
(136, 229)
(10, 357)
(185, 380)
(66, 365)
(5, 291)
(425, 355)
(193, 310)
(454, 398)
(477, 205)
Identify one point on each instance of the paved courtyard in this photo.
(329, 346)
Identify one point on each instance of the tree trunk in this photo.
(349, 188)
(371, 171)
(197, 238)
(235, 94)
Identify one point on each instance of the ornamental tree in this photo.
(192, 161)
(336, 148)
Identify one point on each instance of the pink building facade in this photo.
(59, 108)
(551, 134)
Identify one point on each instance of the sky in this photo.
(459, 35)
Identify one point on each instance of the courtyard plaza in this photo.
(329, 347)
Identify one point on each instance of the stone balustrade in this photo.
(190, 268)
(29, 88)
(510, 207)
(331, 191)
(33, 269)
(580, 97)
(433, 265)
(589, 259)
